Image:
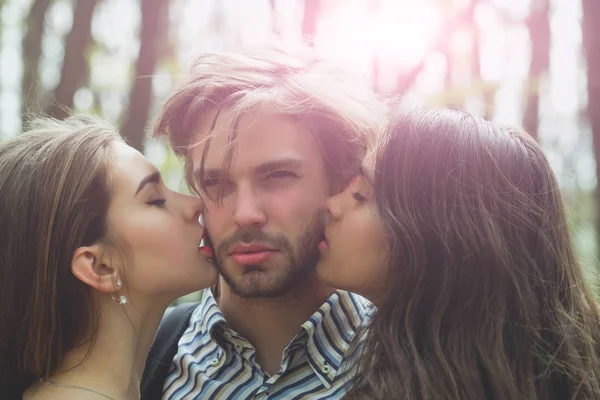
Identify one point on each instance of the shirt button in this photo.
(238, 347)
(326, 369)
(214, 361)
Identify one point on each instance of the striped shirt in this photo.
(214, 362)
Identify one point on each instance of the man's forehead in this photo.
(256, 139)
(213, 129)
(211, 124)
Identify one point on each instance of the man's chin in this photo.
(236, 272)
(256, 282)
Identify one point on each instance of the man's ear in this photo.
(89, 267)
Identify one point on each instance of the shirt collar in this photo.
(210, 317)
(331, 330)
(328, 332)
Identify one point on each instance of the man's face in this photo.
(266, 227)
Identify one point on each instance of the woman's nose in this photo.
(194, 208)
(334, 205)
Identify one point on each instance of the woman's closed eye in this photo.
(358, 197)
(159, 202)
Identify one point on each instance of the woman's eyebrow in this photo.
(152, 178)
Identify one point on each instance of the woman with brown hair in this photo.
(456, 231)
(93, 248)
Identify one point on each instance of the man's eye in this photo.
(212, 182)
(281, 174)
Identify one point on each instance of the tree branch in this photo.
(75, 66)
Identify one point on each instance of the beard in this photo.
(274, 278)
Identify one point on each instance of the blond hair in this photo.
(342, 113)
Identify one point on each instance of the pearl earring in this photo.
(120, 300)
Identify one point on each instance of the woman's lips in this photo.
(323, 245)
(208, 250)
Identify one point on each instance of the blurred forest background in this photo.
(534, 63)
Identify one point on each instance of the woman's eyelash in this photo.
(157, 202)
(358, 197)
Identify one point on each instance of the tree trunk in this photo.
(1, 5)
(274, 20)
(374, 9)
(453, 98)
(538, 25)
(32, 52)
(591, 42)
(140, 98)
(75, 66)
(406, 80)
(487, 93)
(312, 9)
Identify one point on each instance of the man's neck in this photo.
(269, 324)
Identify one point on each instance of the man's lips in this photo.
(251, 254)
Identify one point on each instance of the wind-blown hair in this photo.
(54, 197)
(342, 113)
(486, 298)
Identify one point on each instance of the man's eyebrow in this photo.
(152, 178)
(266, 167)
(212, 173)
(284, 163)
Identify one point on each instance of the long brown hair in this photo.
(486, 297)
(54, 196)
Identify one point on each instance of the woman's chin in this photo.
(326, 274)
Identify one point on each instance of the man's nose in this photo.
(248, 209)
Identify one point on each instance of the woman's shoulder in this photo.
(43, 392)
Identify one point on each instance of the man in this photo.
(266, 138)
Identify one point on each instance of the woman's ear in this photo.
(89, 267)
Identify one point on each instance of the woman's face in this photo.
(355, 250)
(157, 229)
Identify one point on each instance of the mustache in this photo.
(276, 241)
(252, 235)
